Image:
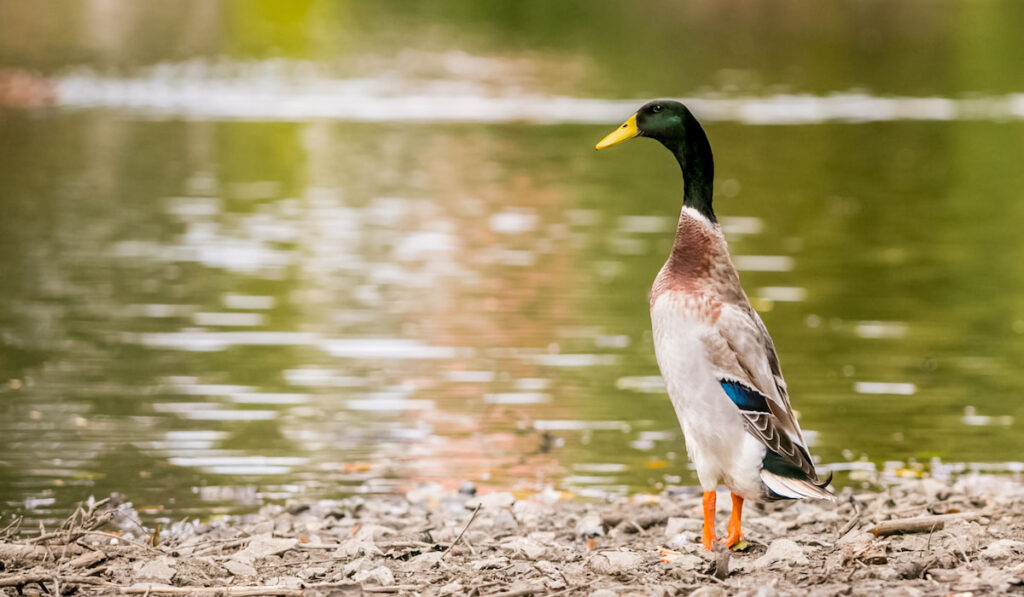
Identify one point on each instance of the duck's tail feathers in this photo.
(796, 489)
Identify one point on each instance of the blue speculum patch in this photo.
(744, 397)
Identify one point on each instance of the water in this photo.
(388, 255)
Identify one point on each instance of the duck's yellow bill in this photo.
(625, 132)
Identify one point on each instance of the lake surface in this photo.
(349, 248)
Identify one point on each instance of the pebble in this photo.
(380, 575)
(1003, 549)
(615, 562)
(157, 570)
(239, 568)
(781, 550)
(499, 499)
(590, 526)
(677, 525)
(526, 547)
(263, 546)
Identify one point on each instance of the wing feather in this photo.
(741, 351)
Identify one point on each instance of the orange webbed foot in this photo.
(735, 530)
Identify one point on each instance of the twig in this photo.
(464, 529)
(519, 592)
(126, 540)
(24, 579)
(920, 524)
(853, 521)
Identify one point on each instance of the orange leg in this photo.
(708, 537)
(735, 534)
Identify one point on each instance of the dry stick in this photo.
(126, 540)
(248, 591)
(519, 592)
(464, 529)
(24, 579)
(857, 512)
(921, 524)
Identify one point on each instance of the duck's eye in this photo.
(656, 109)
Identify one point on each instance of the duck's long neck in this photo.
(694, 156)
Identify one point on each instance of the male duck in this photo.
(716, 356)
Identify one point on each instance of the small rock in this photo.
(681, 542)
(357, 565)
(453, 588)
(590, 526)
(528, 548)
(158, 570)
(265, 527)
(372, 532)
(239, 568)
(313, 572)
(711, 591)
(284, 582)
(263, 546)
(677, 525)
(781, 550)
(855, 538)
(354, 548)
(493, 563)
(381, 575)
(467, 488)
(1003, 549)
(686, 562)
(424, 561)
(500, 499)
(614, 562)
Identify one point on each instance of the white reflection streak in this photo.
(171, 90)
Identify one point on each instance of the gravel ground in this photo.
(919, 538)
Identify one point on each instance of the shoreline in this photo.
(923, 537)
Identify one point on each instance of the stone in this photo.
(781, 551)
(372, 532)
(492, 563)
(590, 526)
(528, 548)
(354, 548)
(284, 582)
(1003, 549)
(711, 591)
(529, 513)
(262, 546)
(678, 525)
(157, 570)
(381, 575)
(492, 501)
(615, 562)
(423, 561)
(687, 562)
(239, 568)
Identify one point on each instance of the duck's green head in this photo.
(664, 120)
(674, 126)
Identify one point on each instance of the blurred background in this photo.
(256, 250)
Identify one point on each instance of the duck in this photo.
(719, 363)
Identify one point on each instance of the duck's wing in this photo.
(745, 363)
